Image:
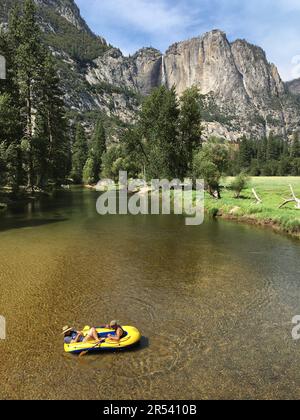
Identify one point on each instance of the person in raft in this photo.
(72, 336)
(118, 331)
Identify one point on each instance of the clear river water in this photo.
(214, 304)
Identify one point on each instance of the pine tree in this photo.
(25, 35)
(246, 154)
(41, 145)
(273, 148)
(79, 154)
(97, 149)
(295, 149)
(10, 121)
(262, 152)
(51, 130)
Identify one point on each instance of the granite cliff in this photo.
(242, 92)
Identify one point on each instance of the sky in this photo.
(130, 25)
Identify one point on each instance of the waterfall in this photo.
(163, 71)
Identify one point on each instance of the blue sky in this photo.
(131, 24)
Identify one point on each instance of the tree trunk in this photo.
(258, 200)
(291, 200)
(29, 136)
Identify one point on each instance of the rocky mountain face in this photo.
(242, 92)
(294, 87)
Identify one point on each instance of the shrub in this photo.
(239, 184)
(213, 212)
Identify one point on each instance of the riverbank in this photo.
(272, 191)
(9, 199)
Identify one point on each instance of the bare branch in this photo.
(291, 200)
(258, 200)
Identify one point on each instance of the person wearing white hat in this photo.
(73, 336)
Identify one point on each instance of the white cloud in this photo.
(154, 17)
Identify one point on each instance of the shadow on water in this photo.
(138, 347)
(142, 345)
(21, 224)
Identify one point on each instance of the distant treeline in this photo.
(269, 156)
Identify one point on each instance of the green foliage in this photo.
(213, 212)
(239, 184)
(111, 163)
(211, 113)
(33, 124)
(189, 127)
(96, 151)
(79, 154)
(211, 163)
(207, 170)
(245, 153)
(81, 45)
(104, 87)
(88, 172)
(116, 160)
(295, 148)
(159, 129)
(271, 156)
(162, 143)
(51, 127)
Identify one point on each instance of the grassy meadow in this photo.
(272, 191)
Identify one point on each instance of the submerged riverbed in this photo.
(214, 303)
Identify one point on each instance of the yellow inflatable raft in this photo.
(131, 338)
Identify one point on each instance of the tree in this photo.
(189, 127)
(262, 152)
(88, 172)
(97, 149)
(10, 121)
(239, 184)
(135, 150)
(295, 149)
(210, 163)
(217, 151)
(33, 135)
(111, 163)
(159, 129)
(51, 141)
(273, 148)
(295, 167)
(29, 55)
(207, 170)
(284, 166)
(246, 153)
(79, 154)
(270, 168)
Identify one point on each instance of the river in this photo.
(214, 304)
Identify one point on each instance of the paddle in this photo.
(83, 353)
